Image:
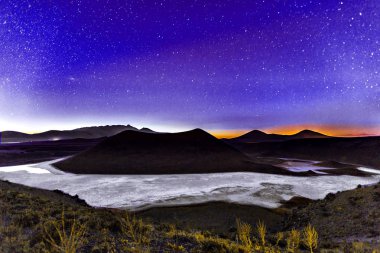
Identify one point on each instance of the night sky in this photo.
(224, 66)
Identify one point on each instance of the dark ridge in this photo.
(146, 130)
(132, 152)
(52, 196)
(296, 201)
(259, 136)
(358, 151)
(344, 216)
(12, 154)
(218, 217)
(84, 133)
(309, 134)
(74, 198)
(255, 133)
(336, 165)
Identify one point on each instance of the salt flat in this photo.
(143, 191)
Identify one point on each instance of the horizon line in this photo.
(326, 129)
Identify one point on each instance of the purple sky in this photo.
(174, 65)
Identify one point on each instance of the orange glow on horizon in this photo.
(228, 133)
(331, 130)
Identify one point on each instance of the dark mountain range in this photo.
(354, 150)
(132, 152)
(84, 133)
(259, 136)
(12, 154)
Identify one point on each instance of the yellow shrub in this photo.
(199, 237)
(66, 242)
(176, 248)
(279, 237)
(310, 238)
(293, 240)
(261, 230)
(244, 234)
(136, 232)
(358, 247)
(172, 231)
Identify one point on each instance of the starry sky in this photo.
(225, 66)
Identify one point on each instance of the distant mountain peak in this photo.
(309, 133)
(197, 133)
(257, 132)
(98, 127)
(259, 136)
(197, 130)
(146, 130)
(254, 136)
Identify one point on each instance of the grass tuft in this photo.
(64, 239)
(310, 238)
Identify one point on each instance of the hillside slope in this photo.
(352, 215)
(132, 152)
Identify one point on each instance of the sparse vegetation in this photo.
(56, 234)
(33, 220)
(135, 233)
(262, 230)
(349, 216)
(310, 238)
(244, 234)
(279, 237)
(293, 240)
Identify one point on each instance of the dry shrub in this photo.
(310, 238)
(62, 241)
(244, 234)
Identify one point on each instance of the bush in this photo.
(293, 241)
(56, 235)
(244, 234)
(134, 231)
(310, 238)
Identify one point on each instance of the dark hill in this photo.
(344, 216)
(356, 150)
(307, 134)
(132, 152)
(146, 130)
(84, 133)
(105, 131)
(12, 154)
(13, 134)
(259, 136)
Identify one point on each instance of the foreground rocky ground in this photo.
(34, 220)
(347, 216)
